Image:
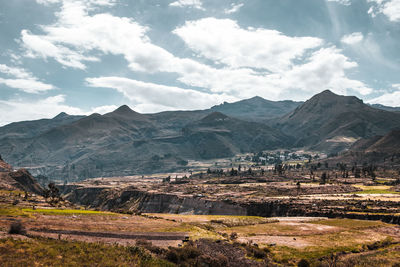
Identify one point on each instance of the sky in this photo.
(82, 57)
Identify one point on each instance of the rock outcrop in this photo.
(18, 180)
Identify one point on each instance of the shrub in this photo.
(172, 256)
(17, 228)
(256, 252)
(303, 263)
(149, 246)
(233, 236)
(217, 261)
(177, 255)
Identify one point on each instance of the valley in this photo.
(234, 185)
(268, 219)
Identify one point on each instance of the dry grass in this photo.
(49, 252)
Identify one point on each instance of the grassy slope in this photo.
(49, 252)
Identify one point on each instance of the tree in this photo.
(54, 193)
(323, 178)
(357, 173)
(298, 184)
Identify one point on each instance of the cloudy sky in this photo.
(85, 56)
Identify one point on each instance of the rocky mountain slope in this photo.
(125, 142)
(329, 122)
(27, 129)
(377, 150)
(387, 108)
(256, 108)
(17, 180)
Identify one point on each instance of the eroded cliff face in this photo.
(134, 200)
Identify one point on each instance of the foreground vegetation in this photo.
(8, 210)
(49, 252)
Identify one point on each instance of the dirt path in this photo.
(146, 236)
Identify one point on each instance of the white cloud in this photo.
(102, 109)
(150, 97)
(76, 33)
(15, 72)
(234, 8)
(245, 52)
(22, 80)
(343, 2)
(222, 40)
(47, 2)
(389, 99)
(353, 38)
(325, 69)
(28, 86)
(252, 61)
(87, 2)
(39, 46)
(20, 110)
(390, 8)
(188, 3)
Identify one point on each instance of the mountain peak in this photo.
(124, 109)
(257, 98)
(327, 92)
(61, 115)
(126, 112)
(327, 97)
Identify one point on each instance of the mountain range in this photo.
(125, 142)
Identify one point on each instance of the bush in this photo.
(233, 236)
(217, 261)
(17, 228)
(172, 256)
(149, 246)
(177, 255)
(256, 252)
(303, 263)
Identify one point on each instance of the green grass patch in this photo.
(375, 191)
(49, 252)
(28, 212)
(67, 212)
(13, 211)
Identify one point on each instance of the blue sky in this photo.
(95, 55)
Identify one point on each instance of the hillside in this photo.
(26, 129)
(17, 180)
(256, 108)
(218, 135)
(387, 108)
(377, 150)
(329, 122)
(387, 144)
(124, 142)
